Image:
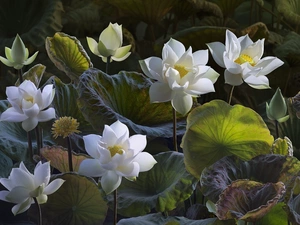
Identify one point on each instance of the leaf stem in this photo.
(174, 130)
(38, 139)
(70, 154)
(276, 127)
(115, 207)
(40, 221)
(230, 94)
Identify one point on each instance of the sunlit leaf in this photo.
(58, 157)
(248, 200)
(221, 129)
(78, 201)
(67, 53)
(162, 188)
(269, 168)
(282, 147)
(149, 11)
(103, 99)
(277, 215)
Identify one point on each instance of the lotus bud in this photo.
(277, 109)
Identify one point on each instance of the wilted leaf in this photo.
(282, 147)
(221, 129)
(34, 74)
(58, 157)
(269, 168)
(248, 200)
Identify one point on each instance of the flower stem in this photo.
(230, 95)
(70, 154)
(276, 127)
(20, 72)
(38, 139)
(174, 130)
(39, 211)
(115, 207)
(107, 64)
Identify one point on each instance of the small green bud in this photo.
(277, 109)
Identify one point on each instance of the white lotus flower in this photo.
(17, 56)
(180, 75)
(115, 155)
(23, 186)
(29, 105)
(110, 42)
(242, 60)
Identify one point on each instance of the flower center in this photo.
(181, 69)
(115, 149)
(244, 58)
(29, 99)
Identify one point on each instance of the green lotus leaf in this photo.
(162, 188)
(294, 203)
(13, 138)
(248, 200)
(289, 50)
(198, 37)
(34, 74)
(227, 6)
(78, 201)
(149, 11)
(58, 157)
(33, 20)
(221, 129)
(290, 10)
(158, 218)
(269, 168)
(6, 165)
(68, 55)
(277, 215)
(103, 99)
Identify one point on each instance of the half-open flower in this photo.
(110, 44)
(115, 155)
(29, 105)
(22, 186)
(243, 60)
(180, 75)
(17, 56)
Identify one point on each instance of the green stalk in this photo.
(29, 141)
(230, 95)
(20, 72)
(174, 131)
(115, 207)
(40, 221)
(276, 127)
(38, 139)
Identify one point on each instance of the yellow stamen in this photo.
(64, 127)
(29, 99)
(115, 149)
(244, 58)
(181, 69)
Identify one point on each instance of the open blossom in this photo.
(110, 44)
(115, 155)
(29, 105)
(17, 56)
(243, 60)
(180, 75)
(22, 186)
